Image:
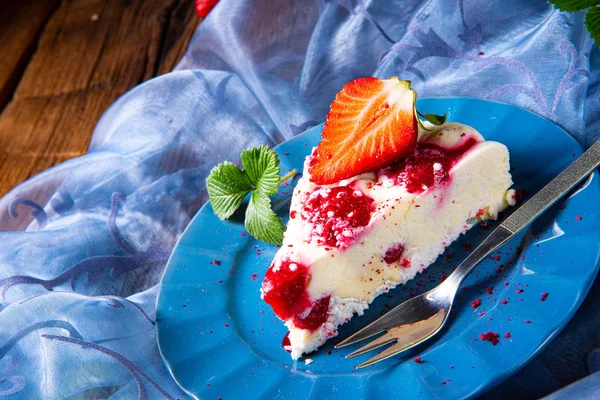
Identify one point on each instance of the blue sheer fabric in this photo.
(83, 245)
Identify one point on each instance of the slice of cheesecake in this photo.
(349, 241)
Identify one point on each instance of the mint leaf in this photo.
(260, 163)
(434, 118)
(261, 221)
(592, 24)
(227, 186)
(572, 5)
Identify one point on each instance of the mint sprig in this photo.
(228, 185)
(592, 16)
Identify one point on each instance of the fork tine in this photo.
(399, 314)
(372, 329)
(387, 353)
(408, 336)
(375, 344)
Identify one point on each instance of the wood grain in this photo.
(21, 23)
(89, 53)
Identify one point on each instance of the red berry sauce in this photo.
(417, 171)
(394, 253)
(317, 316)
(286, 342)
(336, 214)
(284, 289)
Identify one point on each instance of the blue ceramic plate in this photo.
(220, 340)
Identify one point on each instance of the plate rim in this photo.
(479, 390)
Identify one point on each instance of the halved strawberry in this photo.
(371, 123)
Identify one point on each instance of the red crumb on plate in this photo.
(490, 336)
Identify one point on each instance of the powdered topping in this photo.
(428, 166)
(337, 214)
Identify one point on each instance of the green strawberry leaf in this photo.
(260, 163)
(592, 24)
(261, 221)
(227, 186)
(572, 5)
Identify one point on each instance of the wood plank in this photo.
(21, 23)
(181, 27)
(90, 52)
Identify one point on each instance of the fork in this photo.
(420, 318)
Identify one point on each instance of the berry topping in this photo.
(428, 166)
(336, 214)
(286, 344)
(394, 253)
(284, 288)
(371, 123)
(317, 316)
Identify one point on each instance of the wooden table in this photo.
(62, 63)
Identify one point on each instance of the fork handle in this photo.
(524, 215)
